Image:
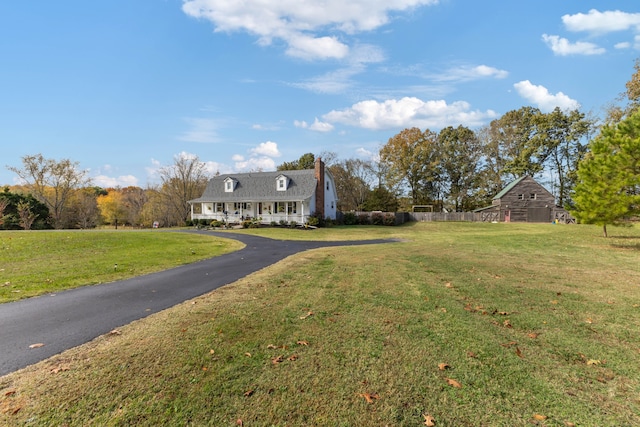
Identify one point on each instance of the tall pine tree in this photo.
(608, 189)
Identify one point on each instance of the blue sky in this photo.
(124, 86)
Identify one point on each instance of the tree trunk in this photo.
(604, 230)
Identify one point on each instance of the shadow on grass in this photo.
(626, 242)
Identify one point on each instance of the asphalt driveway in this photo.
(67, 319)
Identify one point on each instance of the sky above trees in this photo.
(122, 87)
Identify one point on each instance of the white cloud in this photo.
(468, 73)
(622, 45)
(201, 130)
(408, 112)
(319, 126)
(563, 47)
(310, 28)
(340, 80)
(256, 164)
(602, 22)
(268, 148)
(260, 158)
(546, 101)
(300, 124)
(105, 181)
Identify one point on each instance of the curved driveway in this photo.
(70, 318)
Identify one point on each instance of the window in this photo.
(327, 186)
(520, 196)
(229, 183)
(219, 207)
(532, 196)
(282, 183)
(197, 208)
(287, 207)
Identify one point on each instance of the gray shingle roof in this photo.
(261, 186)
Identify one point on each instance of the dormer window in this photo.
(281, 183)
(229, 185)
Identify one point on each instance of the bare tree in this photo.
(27, 218)
(52, 182)
(4, 202)
(182, 181)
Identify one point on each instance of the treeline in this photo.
(459, 169)
(58, 194)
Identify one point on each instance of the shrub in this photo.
(377, 218)
(293, 224)
(363, 219)
(215, 223)
(313, 221)
(273, 223)
(350, 218)
(189, 223)
(389, 219)
(283, 222)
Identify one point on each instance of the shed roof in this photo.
(508, 188)
(261, 186)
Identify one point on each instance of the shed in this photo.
(524, 200)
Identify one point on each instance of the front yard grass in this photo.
(463, 324)
(39, 262)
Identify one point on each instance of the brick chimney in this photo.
(319, 173)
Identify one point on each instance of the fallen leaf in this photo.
(554, 302)
(503, 313)
(444, 366)
(271, 346)
(309, 313)
(239, 422)
(453, 383)
(292, 358)
(569, 424)
(115, 332)
(277, 360)
(539, 417)
(593, 362)
(509, 344)
(448, 285)
(533, 335)
(10, 392)
(507, 324)
(444, 310)
(204, 368)
(212, 351)
(38, 345)
(60, 368)
(370, 397)
(302, 342)
(247, 354)
(471, 354)
(589, 321)
(429, 420)
(248, 393)
(519, 353)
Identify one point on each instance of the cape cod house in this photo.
(270, 197)
(524, 200)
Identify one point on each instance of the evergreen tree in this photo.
(608, 189)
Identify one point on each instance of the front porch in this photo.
(266, 212)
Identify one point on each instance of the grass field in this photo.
(458, 324)
(34, 263)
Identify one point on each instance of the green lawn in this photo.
(471, 324)
(38, 262)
